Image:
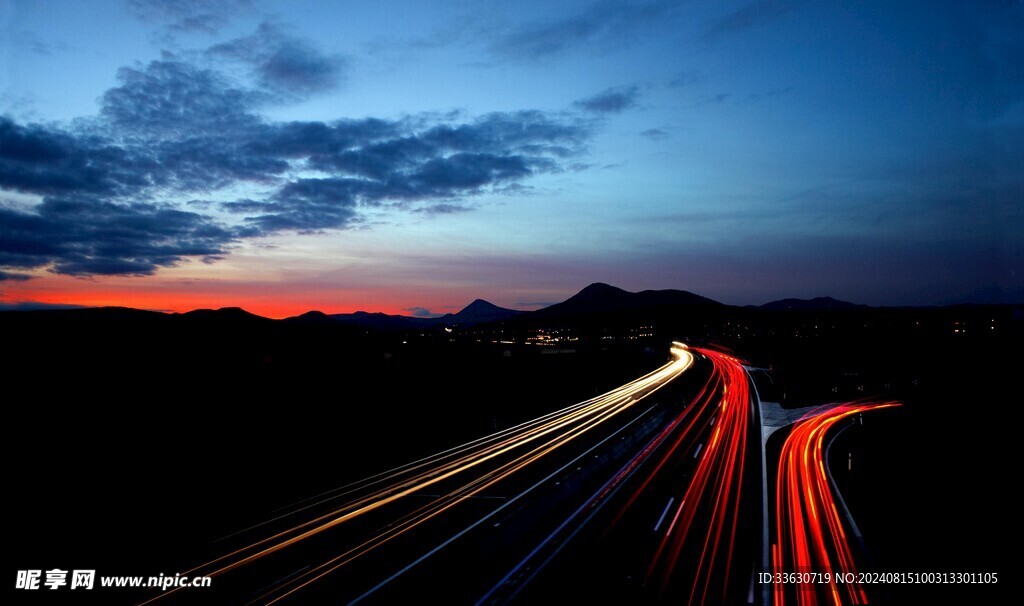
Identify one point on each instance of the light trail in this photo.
(460, 473)
(705, 522)
(700, 517)
(809, 531)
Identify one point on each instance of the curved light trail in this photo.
(809, 531)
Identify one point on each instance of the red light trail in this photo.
(693, 558)
(809, 531)
(706, 518)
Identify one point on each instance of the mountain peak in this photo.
(310, 316)
(479, 304)
(598, 291)
(479, 311)
(600, 288)
(226, 313)
(601, 298)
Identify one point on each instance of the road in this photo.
(810, 527)
(678, 522)
(505, 516)
(651, 493)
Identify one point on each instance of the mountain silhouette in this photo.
(224, 314)
(310, 317)
(477, 312)
(815, 304)
(382, 321)
(600, 298)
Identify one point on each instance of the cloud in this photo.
(306, 205)
(712, 99)
(204, 16)
(147, 183)
(749, 16)
(443, 208)
(654, 133)
(35, 306)
(175, 97)
(208, 23)
(377, 163)
(283, 63)
(610, 101)
(603, 23)
(40, 160)
(87, 237)
(13, 277)
(421, 312)
(36, 45)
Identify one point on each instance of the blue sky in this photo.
(285, 156)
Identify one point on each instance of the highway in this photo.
(676, 524)
(468, 524)
(648, 494)
(809, 527)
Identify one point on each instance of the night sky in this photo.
(409, 157)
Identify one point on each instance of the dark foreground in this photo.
(197, 430)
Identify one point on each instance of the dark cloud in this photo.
(33, 43)
(320, 141)
(445, 175)
(283, 63)
(307, 205)
(13, 277)
(174, 131)
(611, 101)
(86, 237)
(749, 16)
(378, 163)
(443, 208)
(712, 99)
(41, 160)
(207, 23)
(420, 312)
(205, 16)
(91, 186)
(518, 189)
(654, 133)
(47, 48)
(530, 132)
(602, 23)
(35, 306)
(173, 96)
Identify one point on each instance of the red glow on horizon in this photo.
(181, 303)
(269, 300)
